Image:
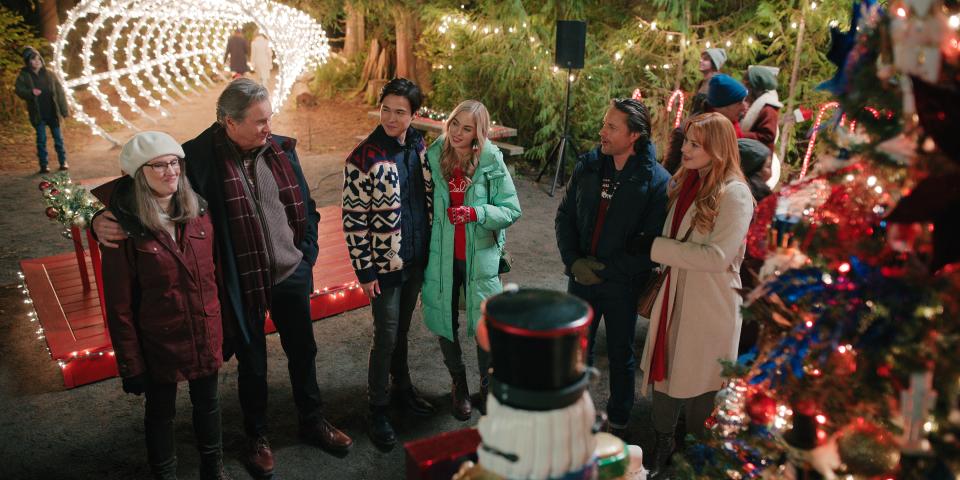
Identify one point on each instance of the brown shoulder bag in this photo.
(649, 295)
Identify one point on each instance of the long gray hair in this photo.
(237, 98)
(184, 205)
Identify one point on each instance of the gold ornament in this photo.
(868, 449)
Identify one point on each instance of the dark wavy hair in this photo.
(638, 120)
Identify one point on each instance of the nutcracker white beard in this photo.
(544, 444)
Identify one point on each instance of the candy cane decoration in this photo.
(676, 94)
(813, 136)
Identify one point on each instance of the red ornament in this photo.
(45, 185)
(710, 422)
(51, 212)
(805, 407)
(761, 408)
(54, 192)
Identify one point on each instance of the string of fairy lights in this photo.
(167, 54)
(334, 294)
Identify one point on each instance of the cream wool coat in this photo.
(705, 271)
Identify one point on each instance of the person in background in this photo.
(46, 105)
(725, 96)
(616, 192)
(474, 201)
(761, 120)
(262, 57)
(387, 204)
(696, 317)
(671, 161)
(238, 50)
(755, 162)
(711, 61)
(160, 292)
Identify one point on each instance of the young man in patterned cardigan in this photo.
(387, 197)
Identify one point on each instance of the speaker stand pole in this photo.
(559, 152)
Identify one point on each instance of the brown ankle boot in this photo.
(460, 394)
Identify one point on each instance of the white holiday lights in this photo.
(168, 48)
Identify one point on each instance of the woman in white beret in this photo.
(160, 293)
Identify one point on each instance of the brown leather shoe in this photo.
(258, 458)
(327, 436)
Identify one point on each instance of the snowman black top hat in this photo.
(538, 342)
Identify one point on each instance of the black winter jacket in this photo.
(639, 205)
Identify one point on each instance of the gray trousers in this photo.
(666, 412)
(392, 311)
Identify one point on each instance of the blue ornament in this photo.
(841, 46)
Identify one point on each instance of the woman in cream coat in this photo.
(699, 324)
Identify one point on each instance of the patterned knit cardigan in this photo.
(371, 202)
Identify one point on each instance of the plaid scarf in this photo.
(246, 231)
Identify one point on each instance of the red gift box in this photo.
(440, 456)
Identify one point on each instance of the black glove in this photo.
(135, 385)
(641, 244)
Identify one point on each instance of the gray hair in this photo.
(237, 98)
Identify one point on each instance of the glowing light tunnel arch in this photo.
(163, 50)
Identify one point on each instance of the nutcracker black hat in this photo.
(538, 342)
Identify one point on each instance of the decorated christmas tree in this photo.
(856, 373)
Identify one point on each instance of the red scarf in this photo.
(658, 363)
(246, 235)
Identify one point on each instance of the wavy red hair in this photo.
(719, 139)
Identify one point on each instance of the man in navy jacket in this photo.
(617, 192)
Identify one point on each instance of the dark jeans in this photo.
(392, 311)
(41, 129)
(616, 304)
(158, 423)
(666, 411)
(290, 312)
(452, 354)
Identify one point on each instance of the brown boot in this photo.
(258, 458)
(329, 438)
(460, 394)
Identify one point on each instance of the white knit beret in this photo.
(146, 146)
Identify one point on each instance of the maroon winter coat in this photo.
(161, 301)
(764, 128)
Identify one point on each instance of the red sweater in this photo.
(458, 184)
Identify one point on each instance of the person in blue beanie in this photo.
(725, 96)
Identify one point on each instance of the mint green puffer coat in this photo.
(494, 197)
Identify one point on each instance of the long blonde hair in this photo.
(716, 134)
(183, 206)
(449, 160)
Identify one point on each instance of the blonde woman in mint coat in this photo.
(474, 201)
